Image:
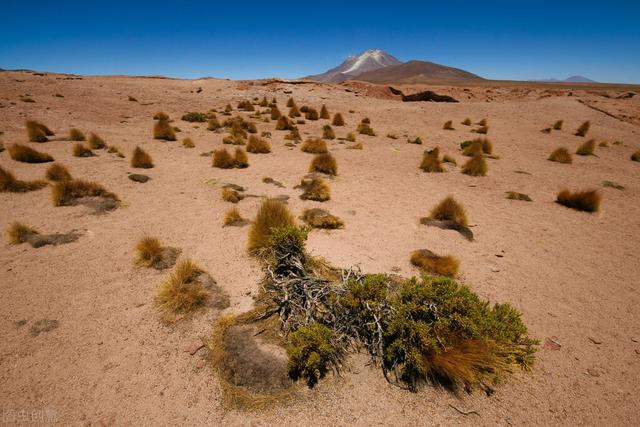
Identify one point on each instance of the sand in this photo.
(109, 360)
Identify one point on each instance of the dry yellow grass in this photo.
(328, 133)
(81, 150)
(114, 150)
(558, 125)
(314, 146)
(434, 264)
(240, 159)
(37, 132)
(95, 142)
(324, 163)
(449, 210)
(482, 122)
(290, 103)
(25, 154)
(337, 120)
(57, 173)
(356, 146)
(18, 233)
(351, 137)
(213, 124)
(482, 130)
(561, 155)
(311, 114)
(294, 112)
(65, 193)
(448, 125)
(324, 113)
(188, 143)
(315, 189)
(319, 218)
(222, 159)
(275, 113)
(182, 293)
(141, 159)
(431, 161)
(161, 115)
(583, 129)
(258, 145)
(8, 183)
(233, 218)
(365, 129)
(163, 130)
(271, 214)
(587, 148)
(475, 166)
(466, 122)
(284, 124)
(478, 146)
(148, 251)
(588, 200)
(76, 135)
(232, 196)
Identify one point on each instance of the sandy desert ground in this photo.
(111, 361)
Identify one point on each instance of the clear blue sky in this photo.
(243, 39)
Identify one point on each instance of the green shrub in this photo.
(311, 353)
(194, 117)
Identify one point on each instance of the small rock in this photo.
(552, 344)
(193, 347)
(595, 341)
(137, 177)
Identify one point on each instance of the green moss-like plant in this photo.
(311, 353)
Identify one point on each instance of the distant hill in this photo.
(572, 79)
(418, 72)
(369, 60)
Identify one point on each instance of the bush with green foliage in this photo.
(194, 116)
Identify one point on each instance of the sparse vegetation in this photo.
(161, 115)
(233, 218)
(327, 132)
(230, 195)
(246, 106)
(431, 161)
(604, 144)
(18, 233)
(311, 114)
(477, 146)
(141, 159)
(482, 130)
(558, 125)
(194, 117)
(149, 252)
(294, 112)
(588, 200)
(561, 155)
(272, 214)
(324, 113)
(315, 189)
(449, 210)
(76, 135)
(435, 264)
(337, 120)
(163, 130)
(583, 129)
(284, 124)
(182, 293)
(67, 193)
(115, 150)
(466, 122)
(365, 129)
(222, 159)
(636, 156)
(240, 159)
(514, 195)
(57, 173)
(95, 142)
(587, 148)
(351, 137)
(37, 132)
(319, 218)
(81, 150)
(275, 113)
(311, 353)
(25, 154)
(188, 143)
(213, 124)
(9, 183)
(475, 166)
(258, 145)
(482, 122)
(314, 146)
(290, 103)
(324, 163)
(448, 125)
(356, 146)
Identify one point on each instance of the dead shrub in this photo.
(314, 146)
(9, 183)
(183, 292)
(284, 124)
(37, 132)
(241, 160)
(25, 154)
(294, 112)
(324, 163)
(477, 146)
(561, 155)
(57, 173)
(475, 166)
(587, 148)
(271, 214)
(161, 115)
(583, 129)
(466, 122)
(258, 145)
(320, 218)
(588, 200)
(222, 159)
(435, 264)
(81, 150)
(163, 130)
(213, 124)
(636, 156)
(150, 253)
(141, 159)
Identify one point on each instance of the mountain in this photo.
(572, 79)
(355, 65)
(417, 72)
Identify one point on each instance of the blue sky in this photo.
(518, 40)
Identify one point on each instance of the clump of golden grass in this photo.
(161, 115)
(320, 218)
(141, 159)
(324, 113)
(57, 172)
(482, 130)
(275, 113)
(294, 112)
(475, 166)
(284, 124)
(232, 196)
(449, 210)
(95, 142)
(22, 153)
(482, 122)
(18, 233)
(131, 98)
(434, 264)
(240, 159)
(365, 129)
(561, 155)
(228, 108)
(163, 130)
(588, 200)
(558, 125)
(315, 189)
(246, 106)
(264, 102)
(514, 195)
(356, 146)
(417, 140)
(188, 143)
(431, 161)
(114, 150)
(213, 124)
(272, 214)
(314, 146)
(149, 251)
(466, 122)
(258, 145)
(587, 148)
(327, 132)
(351, 137)
(324, 163)
(448, 125)
(233, 218)
(337, 120)
(9, 183)
(76, 135)
(604, 144)
(449, 159)
(636, 156)
(293, 135)
(81, 150)
(583, 129)
(65, 193)
(290, 103)
(37, 132)
(311, 114)
(182, 293)
(222, 159)
(478, 146)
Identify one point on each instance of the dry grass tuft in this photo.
(448, 125)
(294, 112)
(37, 132)
(240, 159)
(558, 125)
(481, 130)
(182, 293)
(284, 124)
(320, 218)
(22, 153)
(587, 148)
(356, 146)
(275, 113)
(246, 106)
(18, 233)
(514, 195)
(272, 214)
(149, 252)
(636, 156)
(8, 183)
(431, 161)
(449, 210)
(314, 146)
(115, 150)
(76, 135)
(258, 145)
(311, 114)
(57, 173)
(232, 196)
(141, 159)
(351, 137)
(561, 155)
(604, 144)
(449, 159)
(477, 146)
(290, 103)
(482, 122)
(213, 124)
(315, 189)
(324, 163)
(466, 122)
(163, 130)
(95, 142)
(327, 132)
(161, 115)
(67, 193)
(188, 143)
(434, 264)
(222, 159)
(588, 200)
(324, 113)
(194, 117)
(475, 166)
(81, 150)
(233, 218)
(365, 129)
(583, 129)
(337, 120)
